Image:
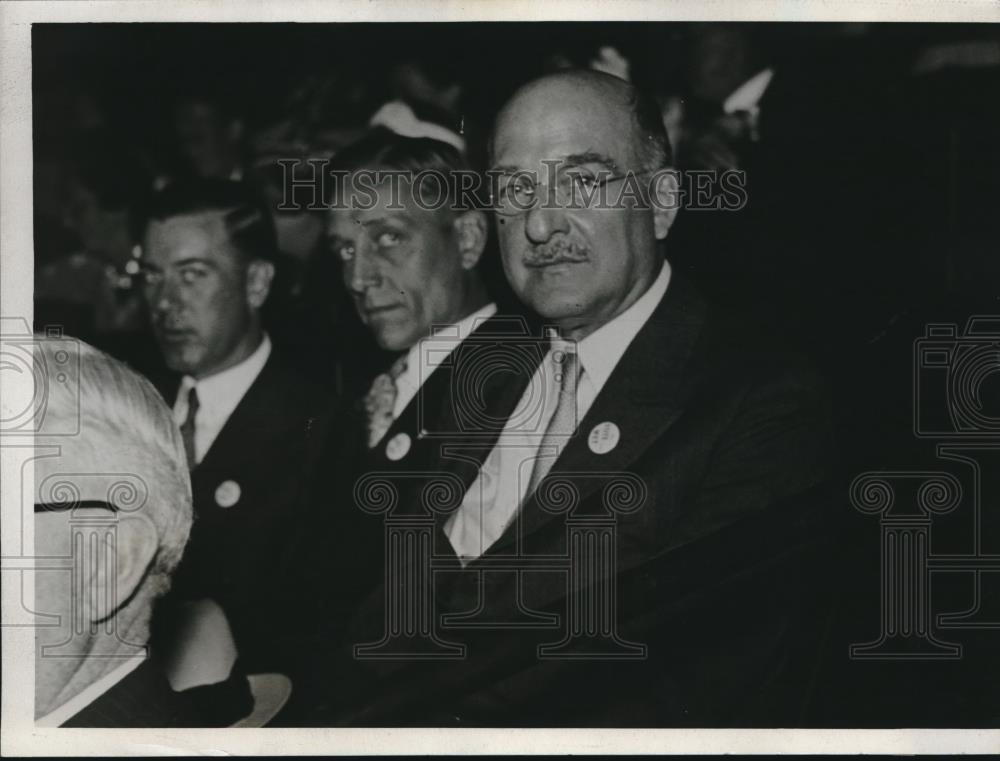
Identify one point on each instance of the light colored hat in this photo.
(270, 693)
(400, 118)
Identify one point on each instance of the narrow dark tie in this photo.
(187, 428)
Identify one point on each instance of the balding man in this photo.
(668, 466)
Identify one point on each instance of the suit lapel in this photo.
(456, 416)
(410, 424)
(489, 377)
(643, 397)
(251, 415)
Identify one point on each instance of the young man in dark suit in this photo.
(628, 544)
(245, 415)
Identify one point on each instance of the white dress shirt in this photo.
(90, 693)
(498, 491)
(218, 396)
(427, 354)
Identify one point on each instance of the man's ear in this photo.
(470, 232)
(111, 580)
(260, 273)
(666, 200)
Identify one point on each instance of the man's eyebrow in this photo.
(194, 260)
(388, 218)
(591, 157)
(573, 159)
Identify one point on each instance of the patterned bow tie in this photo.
(380, 400)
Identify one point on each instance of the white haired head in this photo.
(105, 439)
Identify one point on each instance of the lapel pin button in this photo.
(398, 446)
(227, 494)
(604, 437)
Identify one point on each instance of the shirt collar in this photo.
(600, 352)
(219, 394)
(427, 353)
(90, 693)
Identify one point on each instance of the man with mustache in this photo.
(245, 416)
(634, 550)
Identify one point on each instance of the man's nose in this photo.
(543, 221)
(362, 272)
(166, 295)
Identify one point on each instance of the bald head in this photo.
(594, 97)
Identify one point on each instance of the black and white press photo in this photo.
(573, 374)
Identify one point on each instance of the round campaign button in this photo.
(228, 494)
(398, 446)
(604, 437)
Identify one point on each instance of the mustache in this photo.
(169, 321)
(555, 252)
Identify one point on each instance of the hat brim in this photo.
(270, 693)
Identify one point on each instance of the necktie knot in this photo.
(193, 403)
(567, 368)
(399, 366)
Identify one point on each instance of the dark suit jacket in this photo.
(234, 552)
(723, 444)
(346, 473)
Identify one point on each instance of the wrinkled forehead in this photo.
(562, 119)
(202, 234)
(385, 194)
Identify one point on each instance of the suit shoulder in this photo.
(293, 388)
(754, 355)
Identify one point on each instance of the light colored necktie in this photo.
(381, 399)
(562, 425)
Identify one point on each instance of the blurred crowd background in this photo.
(871, 160)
